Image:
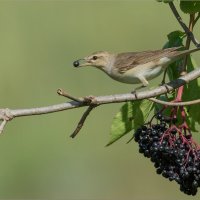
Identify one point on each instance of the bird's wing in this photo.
(127, 61)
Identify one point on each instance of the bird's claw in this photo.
(134, 93)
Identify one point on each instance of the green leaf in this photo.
(131, 116)
(163, 97)
(175, 39)
(191, 92)
(190, 7)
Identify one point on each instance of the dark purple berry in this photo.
(76, 63)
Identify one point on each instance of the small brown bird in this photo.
(134, 67)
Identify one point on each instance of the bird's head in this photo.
(100, 60)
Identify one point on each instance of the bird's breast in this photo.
(148, 70)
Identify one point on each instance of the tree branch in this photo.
(82, 120)
(183, 25)
(8, 114)
(61, 92)
(186, 103)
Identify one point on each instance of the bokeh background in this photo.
(39, 40)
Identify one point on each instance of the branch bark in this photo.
(8, 114)
(186, 103)
(82, 120)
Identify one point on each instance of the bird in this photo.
(134, 67)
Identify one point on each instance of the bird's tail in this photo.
(191, 51)
(183, 53)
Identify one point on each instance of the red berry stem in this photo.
(179, 94)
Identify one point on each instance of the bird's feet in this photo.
(138, 88)
(134, 93)
(165, 85)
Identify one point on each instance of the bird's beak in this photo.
(81, 62)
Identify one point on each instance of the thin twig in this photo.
(196, 19)
(164, 77)
(5, 116)
(2, 125)
(183, 25)
(186, 103)
(61, 92)
(82, 120)
(187, 45)
(85, 100)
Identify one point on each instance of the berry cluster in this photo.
(175, 155)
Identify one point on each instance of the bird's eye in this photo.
(94, 57)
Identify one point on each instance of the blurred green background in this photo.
(39, 40)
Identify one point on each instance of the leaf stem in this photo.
(196, 19)
(187, 45)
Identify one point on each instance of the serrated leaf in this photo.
(190, 7)
(131, 116)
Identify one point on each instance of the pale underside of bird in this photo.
(134, 67)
